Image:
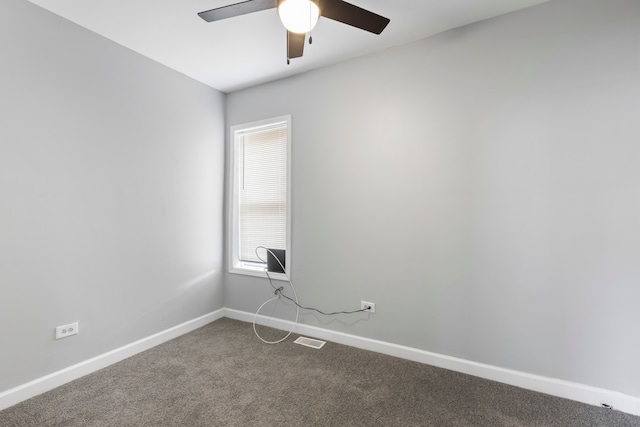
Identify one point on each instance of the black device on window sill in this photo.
(272, 263)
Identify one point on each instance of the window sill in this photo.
(258, 272)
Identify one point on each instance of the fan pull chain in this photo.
(288, 60)
(310, 26)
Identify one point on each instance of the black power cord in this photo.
(279, 292)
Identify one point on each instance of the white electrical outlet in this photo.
(66, 330)
(368, 306)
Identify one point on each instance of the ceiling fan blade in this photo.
(353, 15)
(237, 9)
(295, 44)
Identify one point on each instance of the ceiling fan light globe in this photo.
(298, 16)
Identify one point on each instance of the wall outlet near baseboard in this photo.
(66, 330)
(368, 306)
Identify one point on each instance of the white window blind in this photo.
(262, 192)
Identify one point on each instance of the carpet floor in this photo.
(222, 375)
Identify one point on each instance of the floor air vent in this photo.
(310, 342)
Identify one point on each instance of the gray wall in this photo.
(481, 186)
(111, 193)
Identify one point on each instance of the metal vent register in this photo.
(310, 342)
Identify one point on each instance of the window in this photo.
(260, 194)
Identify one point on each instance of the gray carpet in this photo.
(222, 375)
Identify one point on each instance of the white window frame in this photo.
(233, 242)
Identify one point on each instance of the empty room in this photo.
(408, 212)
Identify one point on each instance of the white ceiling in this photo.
(246, 50)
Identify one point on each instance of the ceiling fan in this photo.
(300, 16)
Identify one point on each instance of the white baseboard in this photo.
(40, 385)
(552, 386)
(555, 387)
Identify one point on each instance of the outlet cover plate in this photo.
(66, 330)
(365, 304)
